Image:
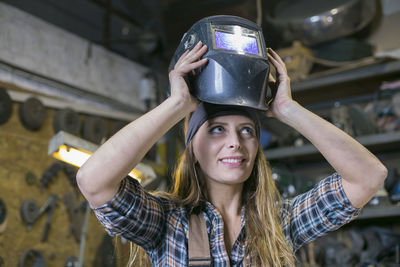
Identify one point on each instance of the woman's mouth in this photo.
(232, 162)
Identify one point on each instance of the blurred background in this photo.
(72, 73)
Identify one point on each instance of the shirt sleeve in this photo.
(312, 214)
(134, 214)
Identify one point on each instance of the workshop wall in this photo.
(22, 152)
(34, 45)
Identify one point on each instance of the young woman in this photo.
(224, 180)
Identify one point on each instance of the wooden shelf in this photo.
(379, 212)
(309, 149)
(336, 76)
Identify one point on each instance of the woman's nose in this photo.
(234, 140)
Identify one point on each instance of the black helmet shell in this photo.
(230, 77)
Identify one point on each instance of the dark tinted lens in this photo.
(236, 42)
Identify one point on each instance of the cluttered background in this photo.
(74, 72)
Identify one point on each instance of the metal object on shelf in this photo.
(313, 21)
(309, 149)
(67, 120)
(392, 185)
(396, 104)
(371, 68)
(298, 61)
(32, 113)
(362, 125)
(94, 129)
(341, 118)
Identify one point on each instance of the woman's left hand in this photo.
(281, 87)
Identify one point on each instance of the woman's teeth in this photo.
(231, 160)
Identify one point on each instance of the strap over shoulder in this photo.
(199, 245)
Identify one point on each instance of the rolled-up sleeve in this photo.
(134, 214)
(312, 214)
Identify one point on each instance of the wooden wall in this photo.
(23, 151)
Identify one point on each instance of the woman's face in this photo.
(225, 148)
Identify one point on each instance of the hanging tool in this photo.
(32, 257)
(94, 129)
(3, 217)
(32, 113)
(75, 213)
(5, 106)
(67, 120)
(3, 211)
(30, 213)
(50, 205)
(83, 235)
(51, 172)
(71, 261)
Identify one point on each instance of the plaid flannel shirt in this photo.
(161, 226)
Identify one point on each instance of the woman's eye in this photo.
(248, 130)
(216, 129)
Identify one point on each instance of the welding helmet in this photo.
(237, 69)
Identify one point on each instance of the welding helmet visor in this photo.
(237, 69)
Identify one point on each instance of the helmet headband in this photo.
(207, 111)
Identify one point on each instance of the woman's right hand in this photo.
(189, 61)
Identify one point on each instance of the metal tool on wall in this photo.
(83, 235)
(67, 120)
(3, 216)
(75, 213)
(5, 106)
(94, 129)
(71, 261)
(52, 171)
(30, 212)
(32, 257)
(32, 113)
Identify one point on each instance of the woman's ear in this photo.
(195, 159)
(193, 155)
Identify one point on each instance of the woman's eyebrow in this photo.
(221, 122)
(212, 122)
(248, 123)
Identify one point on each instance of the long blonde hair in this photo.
(266, 244)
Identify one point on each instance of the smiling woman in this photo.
(225, 209)
(225, 148)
